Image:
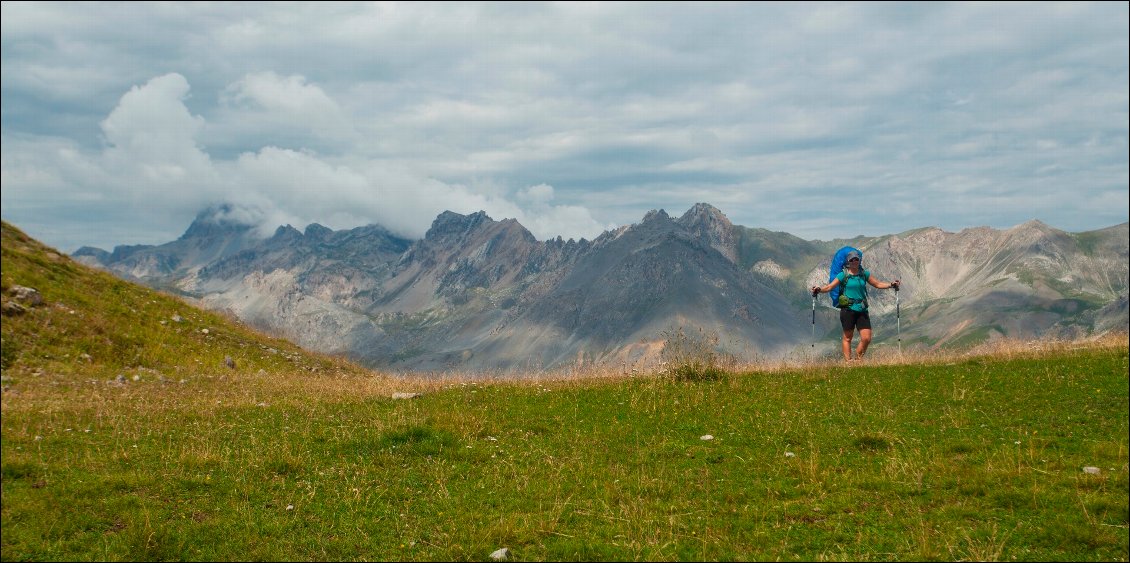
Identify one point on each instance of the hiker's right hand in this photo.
(815, 290)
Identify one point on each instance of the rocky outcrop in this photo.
(712, 227)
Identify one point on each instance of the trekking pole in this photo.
(898, 321)
(814, 319)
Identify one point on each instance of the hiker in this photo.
(853, 302)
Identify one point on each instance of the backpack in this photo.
(839, 262)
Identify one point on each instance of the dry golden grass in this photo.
(337, 379)
(1004, 348)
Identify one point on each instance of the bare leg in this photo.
(864, 342)
(847, 344)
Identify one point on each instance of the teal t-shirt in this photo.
(855, 287)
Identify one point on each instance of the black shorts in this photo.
(852, 320)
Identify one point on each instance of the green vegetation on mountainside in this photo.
(92, 324)
(794, 253)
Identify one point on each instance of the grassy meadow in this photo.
(126, 436)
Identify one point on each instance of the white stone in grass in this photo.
(1092, 470)
(706, 438)
(29, 295)
(790, 454)
(501, 554)
(405, 395)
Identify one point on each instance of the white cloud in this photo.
(546, 220)
(288, 102)
(152, 121)
(152, 160)
(540, 194)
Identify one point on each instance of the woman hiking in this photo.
(853, 303)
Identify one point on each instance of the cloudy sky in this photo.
(122, 121)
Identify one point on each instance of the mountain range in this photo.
(480, 294)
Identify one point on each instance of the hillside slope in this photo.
(65, 320)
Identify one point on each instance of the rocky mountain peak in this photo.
(218, 220)
(1037, 237)
(286, 233)
(316, 231)
(450, 224)
(1034, 224)
(97, 254)
(513, 228)
(704, 215)
(656, 215)
(712, 226)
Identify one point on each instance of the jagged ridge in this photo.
(480, 293)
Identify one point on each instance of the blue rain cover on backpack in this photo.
(838, 263)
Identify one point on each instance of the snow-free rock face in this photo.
(618, 301)
(476, 293)
(712, 227)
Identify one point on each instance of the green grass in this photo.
(963, 457)
(978, 460)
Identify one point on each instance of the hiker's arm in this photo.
(826, 288)
(881, 285)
